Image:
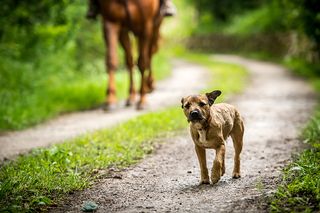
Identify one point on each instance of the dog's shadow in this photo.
(224, 181)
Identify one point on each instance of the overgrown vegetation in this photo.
(52, 61)
(264, 28)
(40, 179)
(300, 190)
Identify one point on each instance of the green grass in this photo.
(266, 19)
(30, 94)
(34, 181)
(300, 189)
(307, 70)
(63, 69)
(42, 178)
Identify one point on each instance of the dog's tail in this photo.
(239, 120)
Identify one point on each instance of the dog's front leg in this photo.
(217, 169)
(201, 153)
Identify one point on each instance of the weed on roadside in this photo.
(300, 191)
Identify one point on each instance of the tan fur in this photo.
(217, 123)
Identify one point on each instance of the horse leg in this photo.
(126, 44)
(111, 32)
(144, 61)
(150, 79)
(152, 50)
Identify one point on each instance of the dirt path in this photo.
(274, 106)
(70, 125)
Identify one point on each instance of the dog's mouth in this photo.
(195, 119)
(195, 116)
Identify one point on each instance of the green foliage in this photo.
(222, 10)
(35, 181)
(25, 25)
(303, 68)
(265, 19)
(304, 16)
(52, 61)
(42, 70)
(40, 179)
(301, 188)
(181, 26)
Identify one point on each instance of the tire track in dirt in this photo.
(71, 125)
(275, 106)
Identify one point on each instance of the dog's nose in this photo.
(194, 114)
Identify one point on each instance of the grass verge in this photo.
(300, 189)
(30, 95)
(40, 179)
(63, 69)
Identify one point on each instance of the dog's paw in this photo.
(236, 175)
(215, 180)
(205, 181)
(223, 171)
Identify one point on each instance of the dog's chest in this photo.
(202, 136)
(203, 139)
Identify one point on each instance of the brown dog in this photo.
(210, 126)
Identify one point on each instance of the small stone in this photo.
(89, 206)
(117, 176)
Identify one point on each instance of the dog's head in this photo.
(197, 107)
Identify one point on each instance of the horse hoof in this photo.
(109, 107)
(129, 103)
(151, 87)
(141, 106)
(150, 90)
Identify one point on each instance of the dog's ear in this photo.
(182, 102)
(212, 96)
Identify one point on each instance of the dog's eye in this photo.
(187, 106)
(201, 104)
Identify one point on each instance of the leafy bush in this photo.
(266, 19)
(52, 61)
(300, 190)
(304, 16)
(223, 10)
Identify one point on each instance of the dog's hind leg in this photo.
(223, 169)
(237, 138)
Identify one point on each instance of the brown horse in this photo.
(143, 19)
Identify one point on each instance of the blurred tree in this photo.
(223, 10)
(304, 16)
(26, 23)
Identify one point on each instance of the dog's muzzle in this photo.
(195, 115)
